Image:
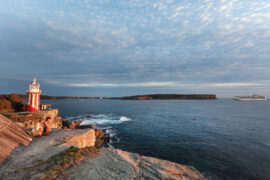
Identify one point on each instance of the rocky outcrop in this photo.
(40, 149)
(28, 120)
(68, 124)
(84, 140)
(52, 154)
(10, 137)
(153, 168)
(118, 164)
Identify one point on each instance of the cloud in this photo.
(137, 43)
(167, 84)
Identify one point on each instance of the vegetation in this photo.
(55, 167)
(11, 103)
(99, 137)
(22, 117)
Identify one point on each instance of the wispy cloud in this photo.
(137, 43)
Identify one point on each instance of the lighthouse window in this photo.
(34, 87)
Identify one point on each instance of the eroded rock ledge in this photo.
(118, 164)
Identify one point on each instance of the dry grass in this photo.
(66, 159)
(56, 166)
(15, 117)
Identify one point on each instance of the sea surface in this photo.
(223, 139)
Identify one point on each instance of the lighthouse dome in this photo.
(34, 85)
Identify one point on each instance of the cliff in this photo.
(10, 137)
(28, 120)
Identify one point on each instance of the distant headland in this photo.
(169, 96)
(136, 97)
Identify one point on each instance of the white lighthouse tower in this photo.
(33, 96)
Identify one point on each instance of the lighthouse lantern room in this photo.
(33, 96)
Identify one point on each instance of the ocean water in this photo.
(223, 139)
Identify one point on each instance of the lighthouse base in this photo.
(31, 109)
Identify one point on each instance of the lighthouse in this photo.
(33, 96)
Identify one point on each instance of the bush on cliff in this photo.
(55, 167)
(5, 106)
(11, 103)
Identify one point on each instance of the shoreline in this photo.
(78, 152)
(125, 165)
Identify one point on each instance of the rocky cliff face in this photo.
(10, 137)
(28, 120)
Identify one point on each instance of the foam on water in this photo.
(102, 121)
(123, 118)
(99, 119)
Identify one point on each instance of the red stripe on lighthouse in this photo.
(30, 102)
(35, 100)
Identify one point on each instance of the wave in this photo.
(99, 119)
(123, 118)
(102, 121)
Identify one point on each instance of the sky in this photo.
(129, 47)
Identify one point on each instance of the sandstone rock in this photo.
(37, 130)
(110, 164)
(77, 123)
(93, 126)
(39, 149)
(64, 124)
(71, 125)
(99, 134)
(47, 128)
(83, 140)
(153, 168)
(28, 120)
(11, 136)
(118, 164)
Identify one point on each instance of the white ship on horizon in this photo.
(254, 97)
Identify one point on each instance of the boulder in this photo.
(77, 123)
(99, 134)
(83, 140)
(68, 125)
(71, 125)
(37, 130)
